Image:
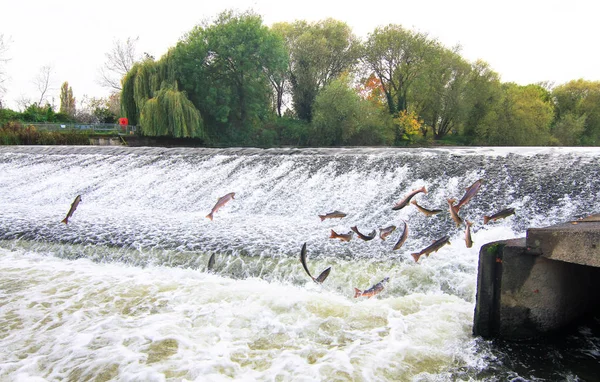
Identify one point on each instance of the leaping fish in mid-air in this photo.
(372, 291)
(220, 203)
(402, 238)
(499, 215)
(368, 237)
(387, 231)
(407, 199)
(72, 209)
(333, 215)
(469, 193)
(432, 248)
(322, 276)
(341, 236)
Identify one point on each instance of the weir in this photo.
(538, 284)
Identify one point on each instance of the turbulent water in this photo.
(122, 292)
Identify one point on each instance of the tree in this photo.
(580, 98)
(119, 61)
(397, 57)
(42, 82)
(67, 101)
(4, 45)
(319, 53)
(521, 118)
(341, 117)
(569, 129)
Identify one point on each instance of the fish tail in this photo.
(486, 219)
(210, 216)
(65, 220)
(416, 256)
(424, 190)
(322, 217)
(357, 292)
(333, 235)
(413, 202)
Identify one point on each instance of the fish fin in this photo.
(416, 256)
(210, 216)
(413, 202)
(424, 190)
(322, 217)
(486, 219)
(357, 292)
(323, 276)
(65, 220)
(333, 235)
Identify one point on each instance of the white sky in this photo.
(525, 41)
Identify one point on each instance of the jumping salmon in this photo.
(387, 231)
(372, 291)
(322, 276)
(469, 193)
(454, 212)
(468, 239)
(72, 209)
(402, 239)
(432, 248)
(406, 200)
(368, 237)
(341, 236)
(220, 203)
(211, 263)
(499, 215)
(425, 210)
(333, 215)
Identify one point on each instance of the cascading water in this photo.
(122, 292)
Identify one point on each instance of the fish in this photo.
(341, 236)
(72, 209)
(372, 291)
(425, 210)
(400, 205)
(368, 237)
(499, 215)
(322, 276)
(469, 193)
(333, 215)
(432, 248)
(590, 218)
(211, 263)
(402, 239)
(385, 232)
(454, 213)
(468, 239)
(220, 203)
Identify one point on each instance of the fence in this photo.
(91, 128)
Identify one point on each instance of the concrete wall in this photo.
(522, 294)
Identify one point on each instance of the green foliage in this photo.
(580, 98)
(170, 113)
(67, 101)
(341, 117)
(569, 129)
(14, 133)
(521, 118)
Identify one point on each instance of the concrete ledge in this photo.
(573, 242)
(521, 294)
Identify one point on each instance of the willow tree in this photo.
(170, 113)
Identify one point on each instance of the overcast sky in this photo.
(525, 41)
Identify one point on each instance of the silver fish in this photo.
(402, 239)
(408, 197)
(432, 248)
(322, 276)
(72, 209)
(368, 237)
(220, 203)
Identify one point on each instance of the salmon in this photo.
(220, 203)
(322, 276)
(72, 209)
(468, 239)
(400, 205)
(372, 291)
(387, 231)
(454, 213)
(469, 193)
(341, 236)
(499, 215)
(432, 248)
(402, 239)
(425, 210)
(211, 263)
(333, 215)
(368, 237)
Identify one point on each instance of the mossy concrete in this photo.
(524, 291)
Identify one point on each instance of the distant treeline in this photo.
(235, 81)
